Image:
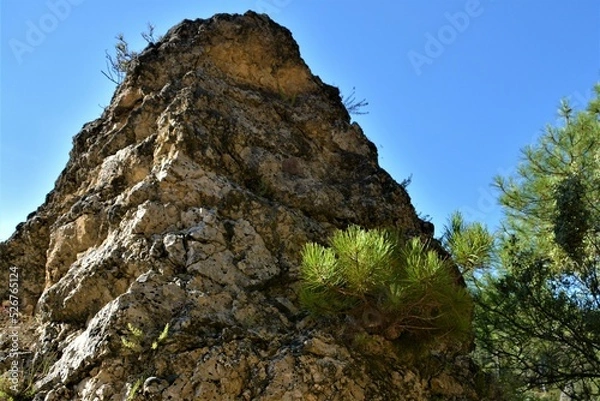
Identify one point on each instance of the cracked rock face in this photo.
(187, 204)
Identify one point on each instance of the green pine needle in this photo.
(405, 281)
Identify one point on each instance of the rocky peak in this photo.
(183, 210)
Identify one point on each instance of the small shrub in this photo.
(162, 337)
(391, 285)
(134, 340)
(134, 389)
(353, 105)
(35, 369)
(6, 392)
(117, 64)
(137, 341)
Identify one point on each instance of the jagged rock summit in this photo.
(183, 211)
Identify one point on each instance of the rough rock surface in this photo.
(187, 203)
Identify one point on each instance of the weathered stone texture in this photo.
(187, 203)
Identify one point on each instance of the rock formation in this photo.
(182, 211)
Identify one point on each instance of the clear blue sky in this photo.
(452, 100)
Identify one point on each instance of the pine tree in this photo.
(538, 314)
(390, 284)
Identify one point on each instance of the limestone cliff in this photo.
(183, 210)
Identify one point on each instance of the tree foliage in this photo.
(538, 314)
(390, 284)
(470, 244)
